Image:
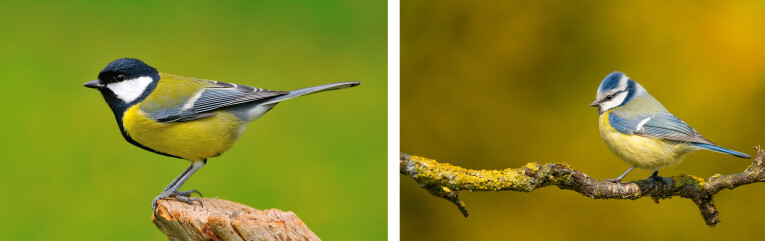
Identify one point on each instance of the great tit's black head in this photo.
(125, 69)
(125, 81)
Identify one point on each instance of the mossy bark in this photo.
(446, 181)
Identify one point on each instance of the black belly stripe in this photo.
(135, 143)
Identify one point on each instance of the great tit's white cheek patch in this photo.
(130, 90)
(616, 101)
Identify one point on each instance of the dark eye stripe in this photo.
(612, 95)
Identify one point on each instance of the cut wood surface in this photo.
(220, 219)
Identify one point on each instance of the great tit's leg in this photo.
(619, 179)
(181, 179)
(175, 181)
(172, 189)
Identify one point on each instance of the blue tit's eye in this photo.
(119, 77)
(609, 97)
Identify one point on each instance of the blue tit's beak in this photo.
(95, 84)
(594, 103)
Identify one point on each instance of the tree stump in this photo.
(225, 220)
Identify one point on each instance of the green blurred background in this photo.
(496, 84)
(68, 174)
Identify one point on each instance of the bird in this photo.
(184, 117)
(641, 131)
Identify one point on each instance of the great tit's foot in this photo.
(189, 200)
(183, 196)
(188, 193)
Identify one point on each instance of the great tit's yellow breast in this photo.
(192, 140)
(643, 152)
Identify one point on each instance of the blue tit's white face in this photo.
(613, 91)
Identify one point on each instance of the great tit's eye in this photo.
(119, 77)
(609, 97)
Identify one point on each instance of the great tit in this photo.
(640, 131)
(184, 117)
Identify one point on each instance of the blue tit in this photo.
(640, 131)
(183, 117)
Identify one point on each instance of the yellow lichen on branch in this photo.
(429, 172)
(446, 181)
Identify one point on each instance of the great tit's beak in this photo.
(594, 103)
(95, 84)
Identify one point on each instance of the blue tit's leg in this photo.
(172, 189)
(619, 179)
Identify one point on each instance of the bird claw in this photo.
(614, 180)
(189, 200)
(618, 182)
(655, 176)
(188, 193)
(183, 196)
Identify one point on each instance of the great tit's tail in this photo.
(721, 150)
(310, 90)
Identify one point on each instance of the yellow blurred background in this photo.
(68, 174)
(497, 84)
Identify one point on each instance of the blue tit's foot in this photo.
(655, 176)
(618, 182)
(183, 196)
(615, 180)
(619, 187)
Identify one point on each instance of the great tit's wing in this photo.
(660, 126)
(213, 96)
(220, 94)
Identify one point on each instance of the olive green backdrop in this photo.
(496, 84)
(67, 173)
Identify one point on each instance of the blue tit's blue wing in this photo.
(214, 96)
(660, 126)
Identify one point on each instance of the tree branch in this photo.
(221, 219)
(446, 181)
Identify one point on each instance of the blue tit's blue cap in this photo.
(611, 81)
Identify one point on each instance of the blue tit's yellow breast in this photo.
(643, 152)
(192, 140)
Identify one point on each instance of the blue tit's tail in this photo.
(721, 150)
(310, 90)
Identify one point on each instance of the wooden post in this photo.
(225, 220)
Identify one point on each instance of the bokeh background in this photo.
(497, 84)
(67, 173)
